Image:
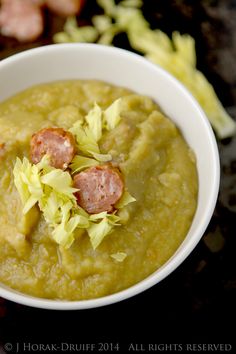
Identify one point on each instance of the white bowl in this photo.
(122, 68)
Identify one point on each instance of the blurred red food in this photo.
(22, 20)
(65, 7)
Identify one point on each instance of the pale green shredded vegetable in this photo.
(101, 157)
(94, 121)
(79, 163)
(60, 181)
(113, 219)
(99, 216)
(102, 23)
(73, 33)
(89, 133)
(54, 194)
(52, 189)
(28, 182)
(97, 232)
(112, 115)
(87, 143)
(176, 55)
(125, 200)
(119, 256)
(109, 6)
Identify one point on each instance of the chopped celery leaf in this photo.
(119, 256)
(125, 199)
(97, 232)
(79, 163)
(94, 120)
(112, 115)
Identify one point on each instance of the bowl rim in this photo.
(177, 258)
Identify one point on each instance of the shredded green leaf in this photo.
(63, 233)
(102, 23)
(62, 237)
(79, 163)
(89, 133)
(107, 36)
(84, 138)
(50, 205)
(99, 216)
(97, 232)
(101, 157)
(74, 33)
(61, 37)
(94, 120)
(113, 219)
(71, 24)
(125, 200)
(60, 181)
(52, 189)
(112, 114)
(44, 165)
(119, 256)
(87, 144)
(28, 183)
(109, 6)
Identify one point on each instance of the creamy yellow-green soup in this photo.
(159, 170)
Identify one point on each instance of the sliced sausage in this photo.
(65, 7)
(57, 143)
(100, 187)
(22, 20)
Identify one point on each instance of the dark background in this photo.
(196, 303)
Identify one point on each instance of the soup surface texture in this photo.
(159, 170)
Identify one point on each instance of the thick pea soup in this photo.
(155, 163)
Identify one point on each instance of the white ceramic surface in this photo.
(120, 67)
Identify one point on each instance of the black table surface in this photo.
(196, 304)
